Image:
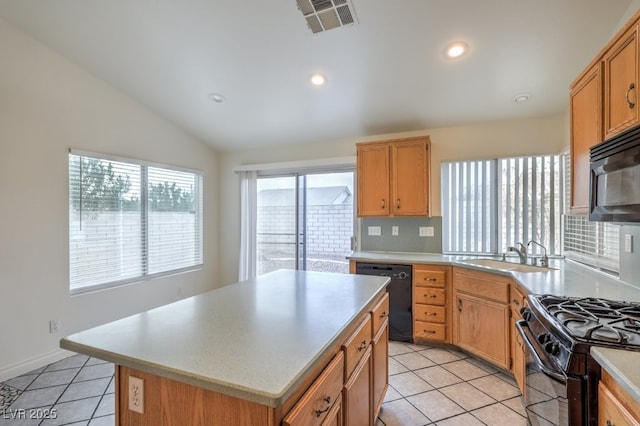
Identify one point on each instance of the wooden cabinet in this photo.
(481, 315)
(380, 353)
(358, 375)
(586, 131)
(615, 405)
(320, 401)
(431, 295)
(621, 83)
(518, 352)
(393, 177)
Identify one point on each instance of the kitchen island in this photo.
(248, 353)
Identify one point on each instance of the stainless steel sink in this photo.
(507, 266)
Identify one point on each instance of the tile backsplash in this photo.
(408, 238)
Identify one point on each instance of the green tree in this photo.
(99, 188)
(166, 197)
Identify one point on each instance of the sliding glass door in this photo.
(305, 221)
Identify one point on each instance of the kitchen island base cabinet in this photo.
(380, 355)
(357, 398)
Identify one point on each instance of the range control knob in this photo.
(402, 275)
(552, 348)
(544, 338)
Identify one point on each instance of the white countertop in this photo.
(254, 340)
(622, 366)
(569, 278)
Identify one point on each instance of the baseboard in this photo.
(33, 364)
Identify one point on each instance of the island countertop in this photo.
(253, 340)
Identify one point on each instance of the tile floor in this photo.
(427, 386)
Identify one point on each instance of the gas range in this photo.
(559, 332)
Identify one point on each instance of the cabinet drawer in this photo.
(430, 296)
(429, 278)
(379, 313)
(430, 313)
(313, 407)
(483, 285)
(356, 345)
(610, 409)
(429, 330)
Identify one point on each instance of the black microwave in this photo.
(614, 194)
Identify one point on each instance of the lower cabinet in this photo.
(357, 398)
(615, 405)
(518, 352)
(380, 354)
(481, 323)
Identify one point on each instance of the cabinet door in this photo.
(611, 411)
(481, 327)
(357, 395)
(373, 180)
(586, 131)
(380, 367)
(621, 84)
(335, 415)
(410, 178)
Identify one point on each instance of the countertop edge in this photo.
(615, 362)
(260, 397)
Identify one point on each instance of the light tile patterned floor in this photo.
(427, 386)
(75, 391)
(433, 386)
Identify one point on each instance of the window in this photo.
(129, 220)
(489, 205)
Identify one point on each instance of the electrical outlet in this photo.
(136, 394)
(426, 231)
(54, 326)
(394, 231)
(374, 230)
(628, 243)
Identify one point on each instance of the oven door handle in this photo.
(544, 366)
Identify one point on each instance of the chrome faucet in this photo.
(522, 252)
(544, 260)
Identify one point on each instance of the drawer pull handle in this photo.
(363, 346)
(431, 314)
(382, 204)
(515, 302)
(328, 401)
(398, 203)
(429, 331)
(384, 314)
(431, 295)
(609, 423)
(429, 279)
(626, 96)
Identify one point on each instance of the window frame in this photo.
(144, 275)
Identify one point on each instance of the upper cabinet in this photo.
(603, 102)
(621, 83)
(586, 131)
(393, 177)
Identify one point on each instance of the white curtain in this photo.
(248, 222)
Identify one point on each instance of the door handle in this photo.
(382, 204)
(459, 305)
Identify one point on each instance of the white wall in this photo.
(501, 139)
(48, 105)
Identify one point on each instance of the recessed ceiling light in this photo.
(318, 79)
(217, 97)
(457, 49)
(521, 97)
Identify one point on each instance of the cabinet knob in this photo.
(362, 346)
(398, 203)
(382, 204)
(626, 96)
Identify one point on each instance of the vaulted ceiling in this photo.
(386, 73)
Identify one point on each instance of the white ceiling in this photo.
(386, 74)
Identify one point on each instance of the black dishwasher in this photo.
(400, 316)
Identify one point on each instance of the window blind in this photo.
(489, 205)
(129, 220)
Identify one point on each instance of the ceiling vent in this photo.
(325, 15)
